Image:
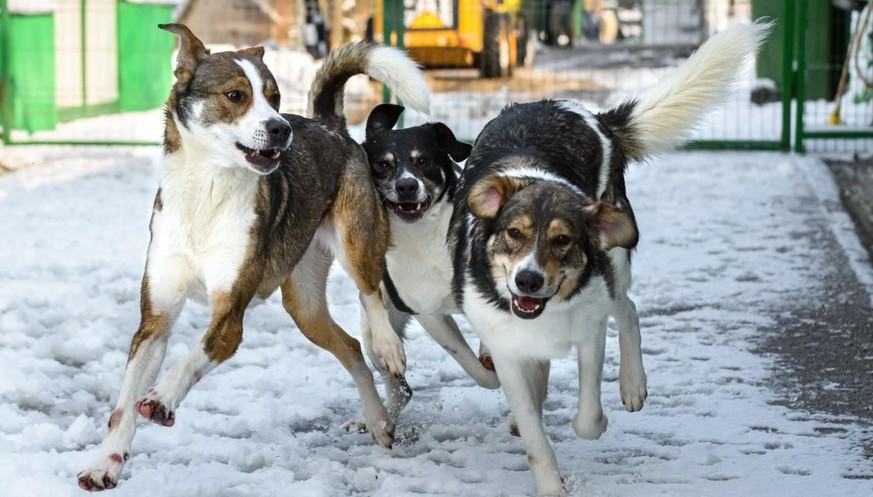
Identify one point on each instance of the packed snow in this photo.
(726, 247)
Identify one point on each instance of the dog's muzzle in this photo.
(266, 159)
(411, 204)
(528, 306)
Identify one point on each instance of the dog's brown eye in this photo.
(275, 100)
(422, 161)
(384, 165)
(562, 240)
(235, 96)
(514, 233)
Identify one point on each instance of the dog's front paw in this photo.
(632, 386)
(377, 422)
(562, 492)
(382, 431)
(590, 427)
(549, 482)
(389, 351)
(153, 408)
(103, 474)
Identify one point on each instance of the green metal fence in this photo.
(819, 124)
(63, 62)
(785, 103)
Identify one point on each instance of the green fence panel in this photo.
(144, 55)
(32, 72)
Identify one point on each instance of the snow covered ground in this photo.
(726, 246)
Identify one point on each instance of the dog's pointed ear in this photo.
(489, 194)
(383, 118)
(256, 52)
(612, 226)
(191, 51)
(458, 150)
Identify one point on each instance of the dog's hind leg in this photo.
(162, 296)
(445, 331)
(631, 375)
(303, 295)
(397, 390)
(362, 230)
(590, 422)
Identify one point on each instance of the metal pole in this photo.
(392, 23)
(387, 29)
(789, 76)
(83, 5)
(5, 79)
(801, 74)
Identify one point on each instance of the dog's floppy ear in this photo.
(458, 150)
(613, 227)
(256, 52)
(383, 118)
(488, 195)
(191, 51)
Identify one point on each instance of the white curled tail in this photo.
(664, 115)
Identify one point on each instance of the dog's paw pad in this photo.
(152, 409)
(487, 362)
(103, 477)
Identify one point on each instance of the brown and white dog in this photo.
(542, 232)
(251, 201)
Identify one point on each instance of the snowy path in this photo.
(728, 242)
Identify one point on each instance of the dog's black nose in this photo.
(529, 281)
(279, 131)
(406, 186)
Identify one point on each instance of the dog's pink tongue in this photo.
(528, 302)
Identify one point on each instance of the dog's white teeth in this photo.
(275, 155)
(418, 207)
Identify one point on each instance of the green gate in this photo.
(56, 67)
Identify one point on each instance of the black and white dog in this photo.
(542, 232)
(415, 173)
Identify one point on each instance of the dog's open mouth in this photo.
(527, 307)
(409, 211)
(262, 160)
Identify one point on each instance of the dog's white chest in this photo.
(562, 326)
(204, 225)
(419, 263)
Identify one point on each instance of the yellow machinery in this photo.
(487, 34)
